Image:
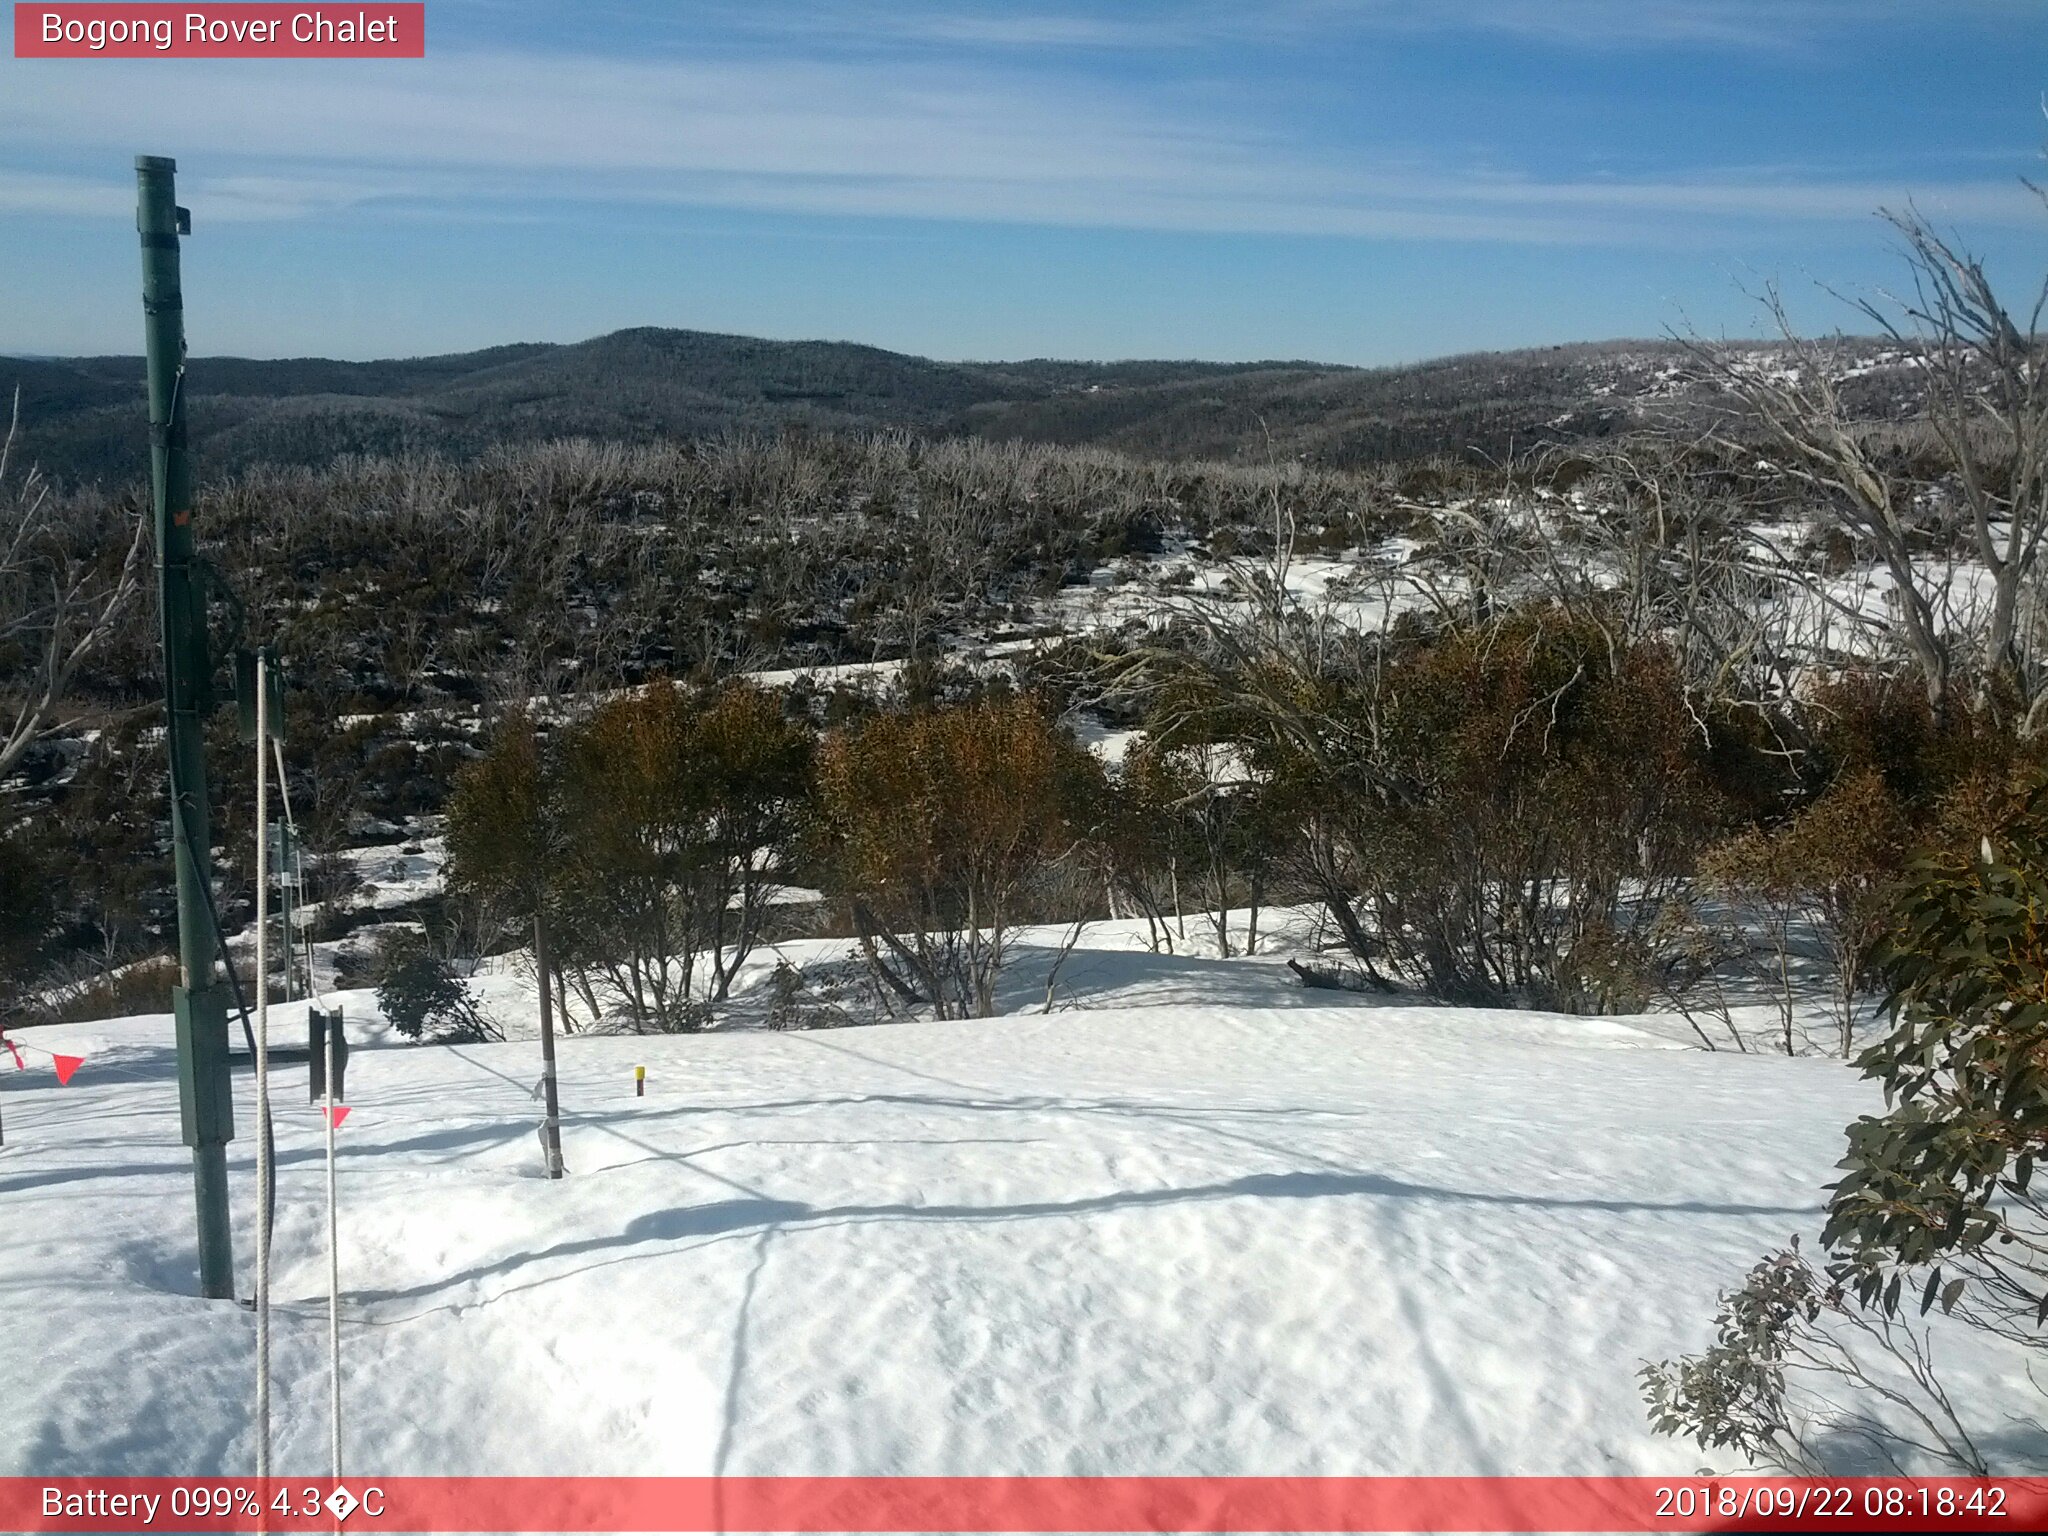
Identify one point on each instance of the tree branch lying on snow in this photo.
(1328, 979)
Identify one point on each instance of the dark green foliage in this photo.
(1944, 1177)
(651, 836)
(460, 562)
(678, 811)
(27, 916)
(1882, 773)
(1834, 868)
(144, 986)
(504, 822)
(1499, 798)
(401, 591)
(84, 878)
(1881, 723)
(1936, 1207)
(1187, 822)
(423, 997)
(1140, 839)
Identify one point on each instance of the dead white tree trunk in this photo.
(1985, 402)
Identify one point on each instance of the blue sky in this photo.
(1356, 181)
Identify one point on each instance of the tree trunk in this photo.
(587, 990)
(1339, 906)
(871, 928)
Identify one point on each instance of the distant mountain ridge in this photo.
(82, 418)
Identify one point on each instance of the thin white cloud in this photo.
(1596, 25)
(27, 192)
(491, 135)
(767, 118)
(1750, 25)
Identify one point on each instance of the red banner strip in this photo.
(240, 31)
(1022, 1504)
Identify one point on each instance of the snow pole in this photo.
(551, 1103)
(205, 1097)
(19, 1065)
(333, 1250)
(332, 1049)
(264, 1172)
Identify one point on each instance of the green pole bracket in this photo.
(245, 693)
(206, 1107)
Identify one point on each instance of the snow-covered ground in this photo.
(1200, 1221)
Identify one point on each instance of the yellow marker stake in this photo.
(639, 1082)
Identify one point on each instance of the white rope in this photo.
(298, 877)
(332, 1041)
(264, 1172)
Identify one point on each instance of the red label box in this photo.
(152, 1506)
(261, 31)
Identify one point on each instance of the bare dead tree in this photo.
(1985, 400)
(1987, 403)
(58, 603)
(1802, 414)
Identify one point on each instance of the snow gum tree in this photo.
(1549, 778)
(1140, 842)
(936, 827)
(507, 844)
(26, 916)
(1831, 868)
(680, 807)
(420, 992)
(1487, 807)
(1880, 773)
(1940, 1187)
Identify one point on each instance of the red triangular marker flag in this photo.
(66, 1065)
(15, 1050)
(339, 1112)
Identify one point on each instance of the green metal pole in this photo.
(205, 1098)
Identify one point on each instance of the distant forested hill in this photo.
(82, 418)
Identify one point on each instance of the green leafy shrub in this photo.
(937, 827)
(421, 996)
(1518, 790)
(1936, 1206)
(1787, 1343)
(1942, 1182)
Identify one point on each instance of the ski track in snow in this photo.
(1176, 1238)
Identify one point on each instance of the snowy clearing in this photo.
(1206, 1233)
